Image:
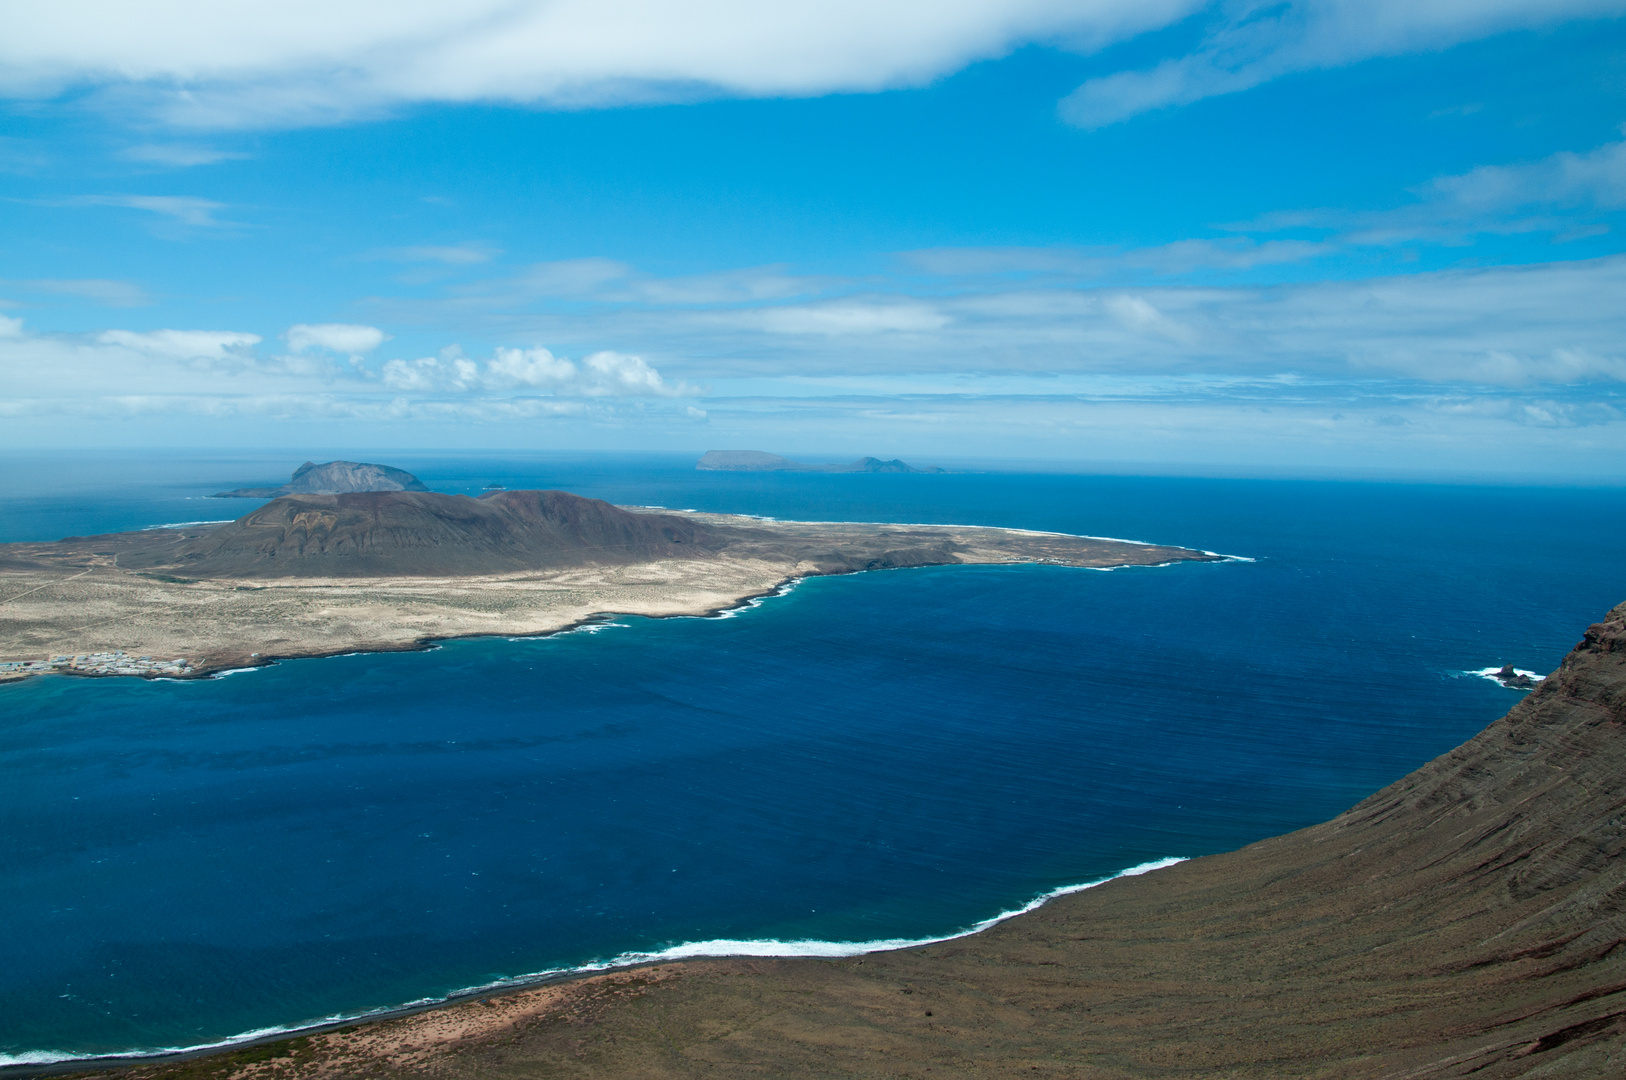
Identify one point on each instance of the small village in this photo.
(117, 662)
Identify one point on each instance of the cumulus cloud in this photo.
(335, 337)
(617, 373)
(1254, 41)
(224, 374)
(601, 374)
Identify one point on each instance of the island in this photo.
(758, 461)
(333, 478)
(1467, 920)
(319, 574)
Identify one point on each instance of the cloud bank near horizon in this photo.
(1510, 367)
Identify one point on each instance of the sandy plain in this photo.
(71, 597)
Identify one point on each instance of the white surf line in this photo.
(185, 524)
(751, 603)
(688, 950)
(836, 949)
(989, 528)
(1491, 673)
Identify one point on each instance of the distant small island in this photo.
(758, 461)
(333, 478)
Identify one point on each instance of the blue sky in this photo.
(1311, 236)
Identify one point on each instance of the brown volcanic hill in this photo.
(1467, 920)
(393, 533)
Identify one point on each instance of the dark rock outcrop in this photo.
(333, 478)
(1514, 680)
(392, 533)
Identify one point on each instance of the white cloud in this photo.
(1136, 314)
(851, 318)
(568, 277)
(449, 254)
(1597, 178)
(1164, 260)
(280, 61)
(530, 367)
(1553, 195)
(101, 290)
(182, 209)
(601, 374)
(619, 374)
(292, 62)
(1559, 323)
(179, 155)
(451, 370)
(608, 281)
(1512, 368)
(183, 344)
(335, 337)
(1255, 41)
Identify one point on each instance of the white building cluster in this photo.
(101, 663)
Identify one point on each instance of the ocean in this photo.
(882, 757)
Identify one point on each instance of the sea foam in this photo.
(689, 950)
(1491, 673)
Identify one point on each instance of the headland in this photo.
(320, 574)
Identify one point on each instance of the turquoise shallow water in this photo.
(889, 755)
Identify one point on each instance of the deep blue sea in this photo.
(893, 755)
